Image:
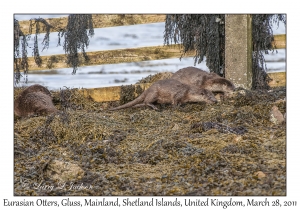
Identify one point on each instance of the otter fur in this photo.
(36, 88)
(169, 91)
(34, 100)
(204, 80)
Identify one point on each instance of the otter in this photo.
(218, 85)
(169, 91)
(35, 99)
(36, 88)
(204, 80)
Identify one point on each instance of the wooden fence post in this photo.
(238, 50)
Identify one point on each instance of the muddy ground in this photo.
(229, 148)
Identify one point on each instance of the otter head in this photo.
(36, 88)
(198, 95)
(219, 85)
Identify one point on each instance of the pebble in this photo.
(276, 116)
(260, 174)
(237, 139)
(63, 171)
(175, 128)
(280, 101)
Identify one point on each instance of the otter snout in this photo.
(209, 96)
(213, 100)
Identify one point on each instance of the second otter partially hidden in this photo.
(202, 79)
(169, 91)
(34, 89)
(34, 100)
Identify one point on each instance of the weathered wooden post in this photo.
(238, 50)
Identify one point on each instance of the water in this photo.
(124, 73)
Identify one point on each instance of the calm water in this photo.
(124, 73)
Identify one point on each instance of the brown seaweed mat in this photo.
(194, 149)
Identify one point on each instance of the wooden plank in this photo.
(111, 56)
(99, 21)
(278, 79)
(279, 41)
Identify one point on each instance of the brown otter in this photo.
(218, 85)
(170, 91)
(203, 79)
(35, 99)
(36, 88)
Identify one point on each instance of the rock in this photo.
(276, 116)
(237, 139)
(63, 171)
(259, 174)
(175, 128)
(218, 97)
(280, 101)
(242, 92)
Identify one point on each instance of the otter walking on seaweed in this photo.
(34, 99)
(202, 79)
(169, 91)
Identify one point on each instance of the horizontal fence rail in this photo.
(110, 57)
(279, 41)
(278, 79)
(126, 55)
(99, 21)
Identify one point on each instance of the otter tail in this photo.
(138, 100)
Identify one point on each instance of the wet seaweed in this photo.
(20, 62)
(144, 152)
(76, 35)
(205, 126)
(127, 93)
(155, 77)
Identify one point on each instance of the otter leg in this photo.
(176, 106)
(150, 98)
(152, 106)
(178, 97)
